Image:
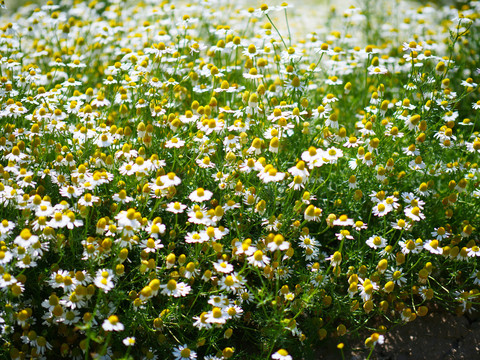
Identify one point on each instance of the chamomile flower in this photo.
(171, 179)
(174, 143)
(312, 213)
(112, 323)
(151, 245)
(183, 352)
(176, 207)
(199, 216)
(104, 280)
(196, 237)
(223, 266)
(353, 142)
(70, 191)
(433, 246)
(381, 209)
(401, 224)
(175, 289)
(127, 168)
(88, 200)
(6, 227)
(414, 213)
(278, 243)
(473, 251)
(377, 70)
(232, 282)
(344, 234)
(440, 233)
(360, 225)
(281, 354)
(7, 280)
(252, 74)
(259, 259)
(122, 197)
(26, 239)
(396, 276)
(217, 316)
(129, 341)
(270, 174)
(343, 220)
(200, 195)
(411, 246)
(376, 242)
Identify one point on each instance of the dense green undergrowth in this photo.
(189, 181)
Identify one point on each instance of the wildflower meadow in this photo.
(199, 180)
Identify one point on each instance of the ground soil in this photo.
(437, 336)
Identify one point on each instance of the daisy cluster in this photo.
(187, 180)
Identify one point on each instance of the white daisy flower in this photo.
(112, 324)
(200, 195)
(376, 242)
(175, 289)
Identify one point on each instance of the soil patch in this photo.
(437, 336)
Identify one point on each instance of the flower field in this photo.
(194, 181)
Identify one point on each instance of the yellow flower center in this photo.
(150, 243)
(258, 256)
(25, 234)
(185, 353)
(229, 280)
(171, 285)
(217, 313)
(113, 319)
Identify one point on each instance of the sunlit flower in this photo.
(151, 245)
(270, 174)
(112, 324)
(182, 352)
(175, 289)
(171, 179)
(343, 220)
(199, 216)
(5, 227)
(473, 251)
(376, 242)
(440, 233)
(278, 243)
(200, 195)
(433, 246)
(223, 266)
(104, 280)
(26, 239)
(414, 213)
(312, 213)
(129, 341)
(174, 143)
(217, 316)
(259, 259)
(176, 207)
(281, 354)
